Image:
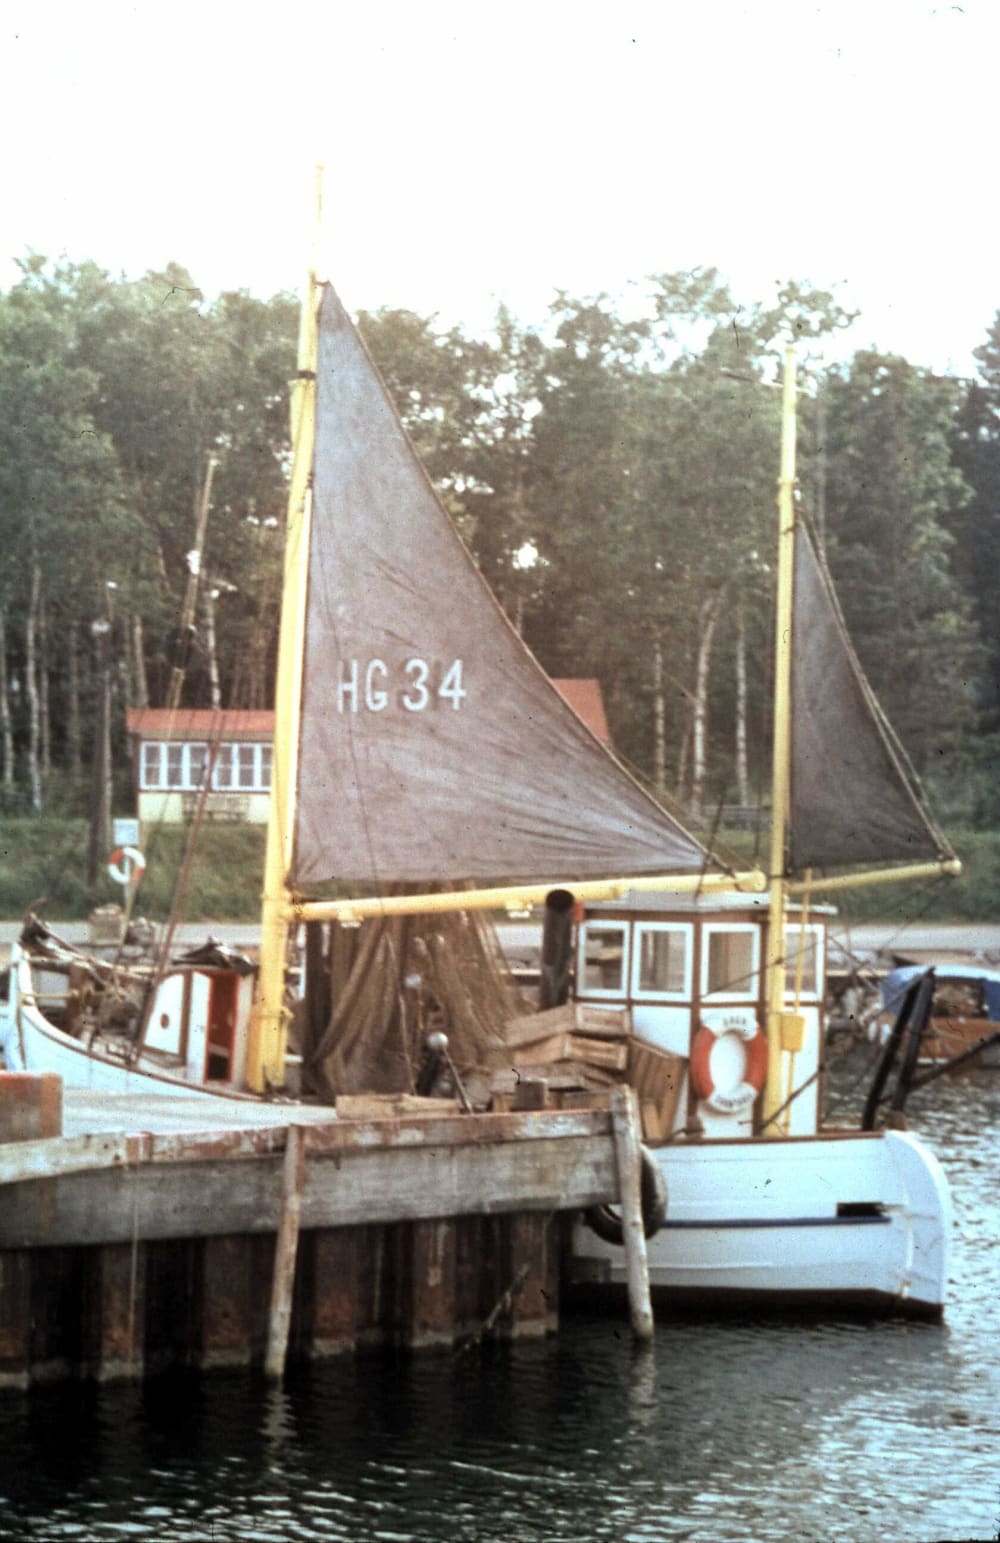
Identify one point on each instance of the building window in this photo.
(603, 961)
(247, 759)
(149, 765)
(196, 765)
(173, 766)
(731, 962)
(662, 960)
(243, 768)
(170, 766)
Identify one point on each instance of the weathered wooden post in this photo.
(286, 1245)
(625, 1121)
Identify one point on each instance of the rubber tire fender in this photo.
(606, 1221)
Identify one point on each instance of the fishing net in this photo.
(375, 991)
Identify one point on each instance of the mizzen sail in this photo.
(432, 745)
(854, 797)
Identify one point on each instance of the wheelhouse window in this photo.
(661, 960)
(603, 959)
(730, 962)
(805, 945)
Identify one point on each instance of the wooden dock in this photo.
(198, 1232)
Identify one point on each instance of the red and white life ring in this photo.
(713, 1027)
(126, 865)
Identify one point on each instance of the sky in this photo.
(479, 154)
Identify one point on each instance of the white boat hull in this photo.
(864, 1220)
(860, 1218)
(30, 1043)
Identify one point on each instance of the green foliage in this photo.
(894, 495)
(976, 526)
(43, 860)
(974, 896)
(46, 859)
(614, 475)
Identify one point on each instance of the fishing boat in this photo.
(766, 1204)
(964, 1019)
(425, 766)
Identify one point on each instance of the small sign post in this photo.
(125, 832)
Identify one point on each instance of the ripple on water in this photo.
(729, 1430)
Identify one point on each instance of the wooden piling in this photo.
(533, 1273)
(129, 1253)
(335, 1290)
(15, 1318)
(227, 1318)
(628, 1150)
(432, 1284)
(293, 1179)
(114, 1340)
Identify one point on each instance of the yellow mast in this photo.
(268, 1024)
(780, 779)
(784, 1029)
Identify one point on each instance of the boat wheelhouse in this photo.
(690, 971)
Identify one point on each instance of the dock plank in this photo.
(98, 1189)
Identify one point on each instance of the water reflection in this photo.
(720, 1431)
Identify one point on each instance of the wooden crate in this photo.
(571, 1018)
(610, 1054)
(657, 1077)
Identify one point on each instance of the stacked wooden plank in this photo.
(658, 1078)
(577, 1052)
(570, 1056)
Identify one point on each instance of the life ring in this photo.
(732, 1100)
(606, 1221)
(126, 865)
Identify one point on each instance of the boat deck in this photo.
(93, 1112)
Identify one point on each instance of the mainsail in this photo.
(432, 745)
(854, 797)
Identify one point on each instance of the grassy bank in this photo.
(48, 857)
(973, 896)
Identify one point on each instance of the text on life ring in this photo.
(729, 1100)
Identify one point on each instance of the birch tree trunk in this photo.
(659, 717)
(6, 726)
(742, 769)
(708, 617)
(100, 810)
(31, 688)
(684, 757)
(73, 737)
(139, 662)
(45, 719)
(208, 607)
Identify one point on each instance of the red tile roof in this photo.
(204, 722)
(584, 696)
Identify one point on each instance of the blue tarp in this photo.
(895, 983)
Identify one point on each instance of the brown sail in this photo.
(432, 745)
(854, 797)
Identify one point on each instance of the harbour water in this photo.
(724, 1430)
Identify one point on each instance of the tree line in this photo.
(613, 474)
